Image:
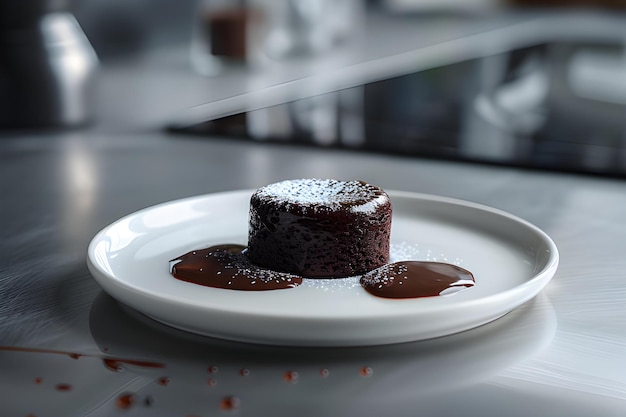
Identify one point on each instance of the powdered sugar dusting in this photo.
(386, 275)
(370, 206)
(333, 285)
(401, 251)
(326, 194)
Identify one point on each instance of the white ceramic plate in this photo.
(511, 260)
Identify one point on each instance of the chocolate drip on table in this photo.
(227, 266)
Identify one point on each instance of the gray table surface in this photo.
(62, 338)
(563, 353)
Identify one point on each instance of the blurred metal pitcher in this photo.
(46, 66)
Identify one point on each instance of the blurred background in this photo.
(110, 106)
(516, 82)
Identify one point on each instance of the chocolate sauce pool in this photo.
(227, 266)
(414, 279)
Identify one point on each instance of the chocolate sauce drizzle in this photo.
(414, 279)
(227, 266)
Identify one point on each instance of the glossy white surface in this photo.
(511, 260)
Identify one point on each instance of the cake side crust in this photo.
(320, 228)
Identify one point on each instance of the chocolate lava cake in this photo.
(320, 227)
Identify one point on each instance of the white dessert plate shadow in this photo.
(511, 259)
